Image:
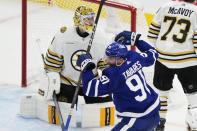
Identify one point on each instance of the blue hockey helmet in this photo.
(117, 50)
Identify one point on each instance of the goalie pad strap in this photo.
(52, 115)
(107, 116)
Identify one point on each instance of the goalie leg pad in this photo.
(46, 111)
(98, 115)
(35, 106)
(28, 104)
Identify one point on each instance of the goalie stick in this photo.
(80, 76)
(54, 95)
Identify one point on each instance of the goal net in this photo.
(46, 17)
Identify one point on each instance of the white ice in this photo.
(51, 20)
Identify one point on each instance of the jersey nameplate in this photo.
(180, 11)
(134, 68)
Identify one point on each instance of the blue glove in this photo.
(85, 62)
(128, 38)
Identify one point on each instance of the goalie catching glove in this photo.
(85, 62)
(128, 38)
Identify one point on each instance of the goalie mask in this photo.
(84, 18)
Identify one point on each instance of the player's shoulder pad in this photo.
(63, 29)
(166, 5)
(132, 54)
(171, 3)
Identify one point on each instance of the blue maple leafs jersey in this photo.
(132, 96)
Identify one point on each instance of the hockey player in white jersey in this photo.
(136, 103)
(67, 45)
(174, 34)
(61, 58)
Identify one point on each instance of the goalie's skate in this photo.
(191, 119)
(189, 129)
(161, 125)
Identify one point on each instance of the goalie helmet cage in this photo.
(117, 5)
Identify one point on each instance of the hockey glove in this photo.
(85, 62)
(128, 38)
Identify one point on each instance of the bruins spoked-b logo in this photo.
(74, 58)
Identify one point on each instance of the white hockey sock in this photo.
(192, 100)
(191, 117)
(164, 103)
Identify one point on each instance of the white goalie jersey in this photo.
(174, 33)
(65, 48)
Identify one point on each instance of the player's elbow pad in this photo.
(154, 56)
(144, 46)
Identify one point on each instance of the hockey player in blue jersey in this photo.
(136, 103)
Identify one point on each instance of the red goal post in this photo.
(24, 44)
(110, 3)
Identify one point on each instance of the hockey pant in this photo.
(138, 124)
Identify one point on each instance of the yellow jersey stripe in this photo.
(65, 80)
(164, 97)
(68, 78)
(164, 104)
(102, 68)
(51, 67)
(73, 80)
(194, 41)
(54, 54)
(156, 25)
(53, 61)
(153, 32)
(179, 53)
(101, 63)
(177, 61)
(162, 111)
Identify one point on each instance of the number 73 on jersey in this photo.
(183, 25)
